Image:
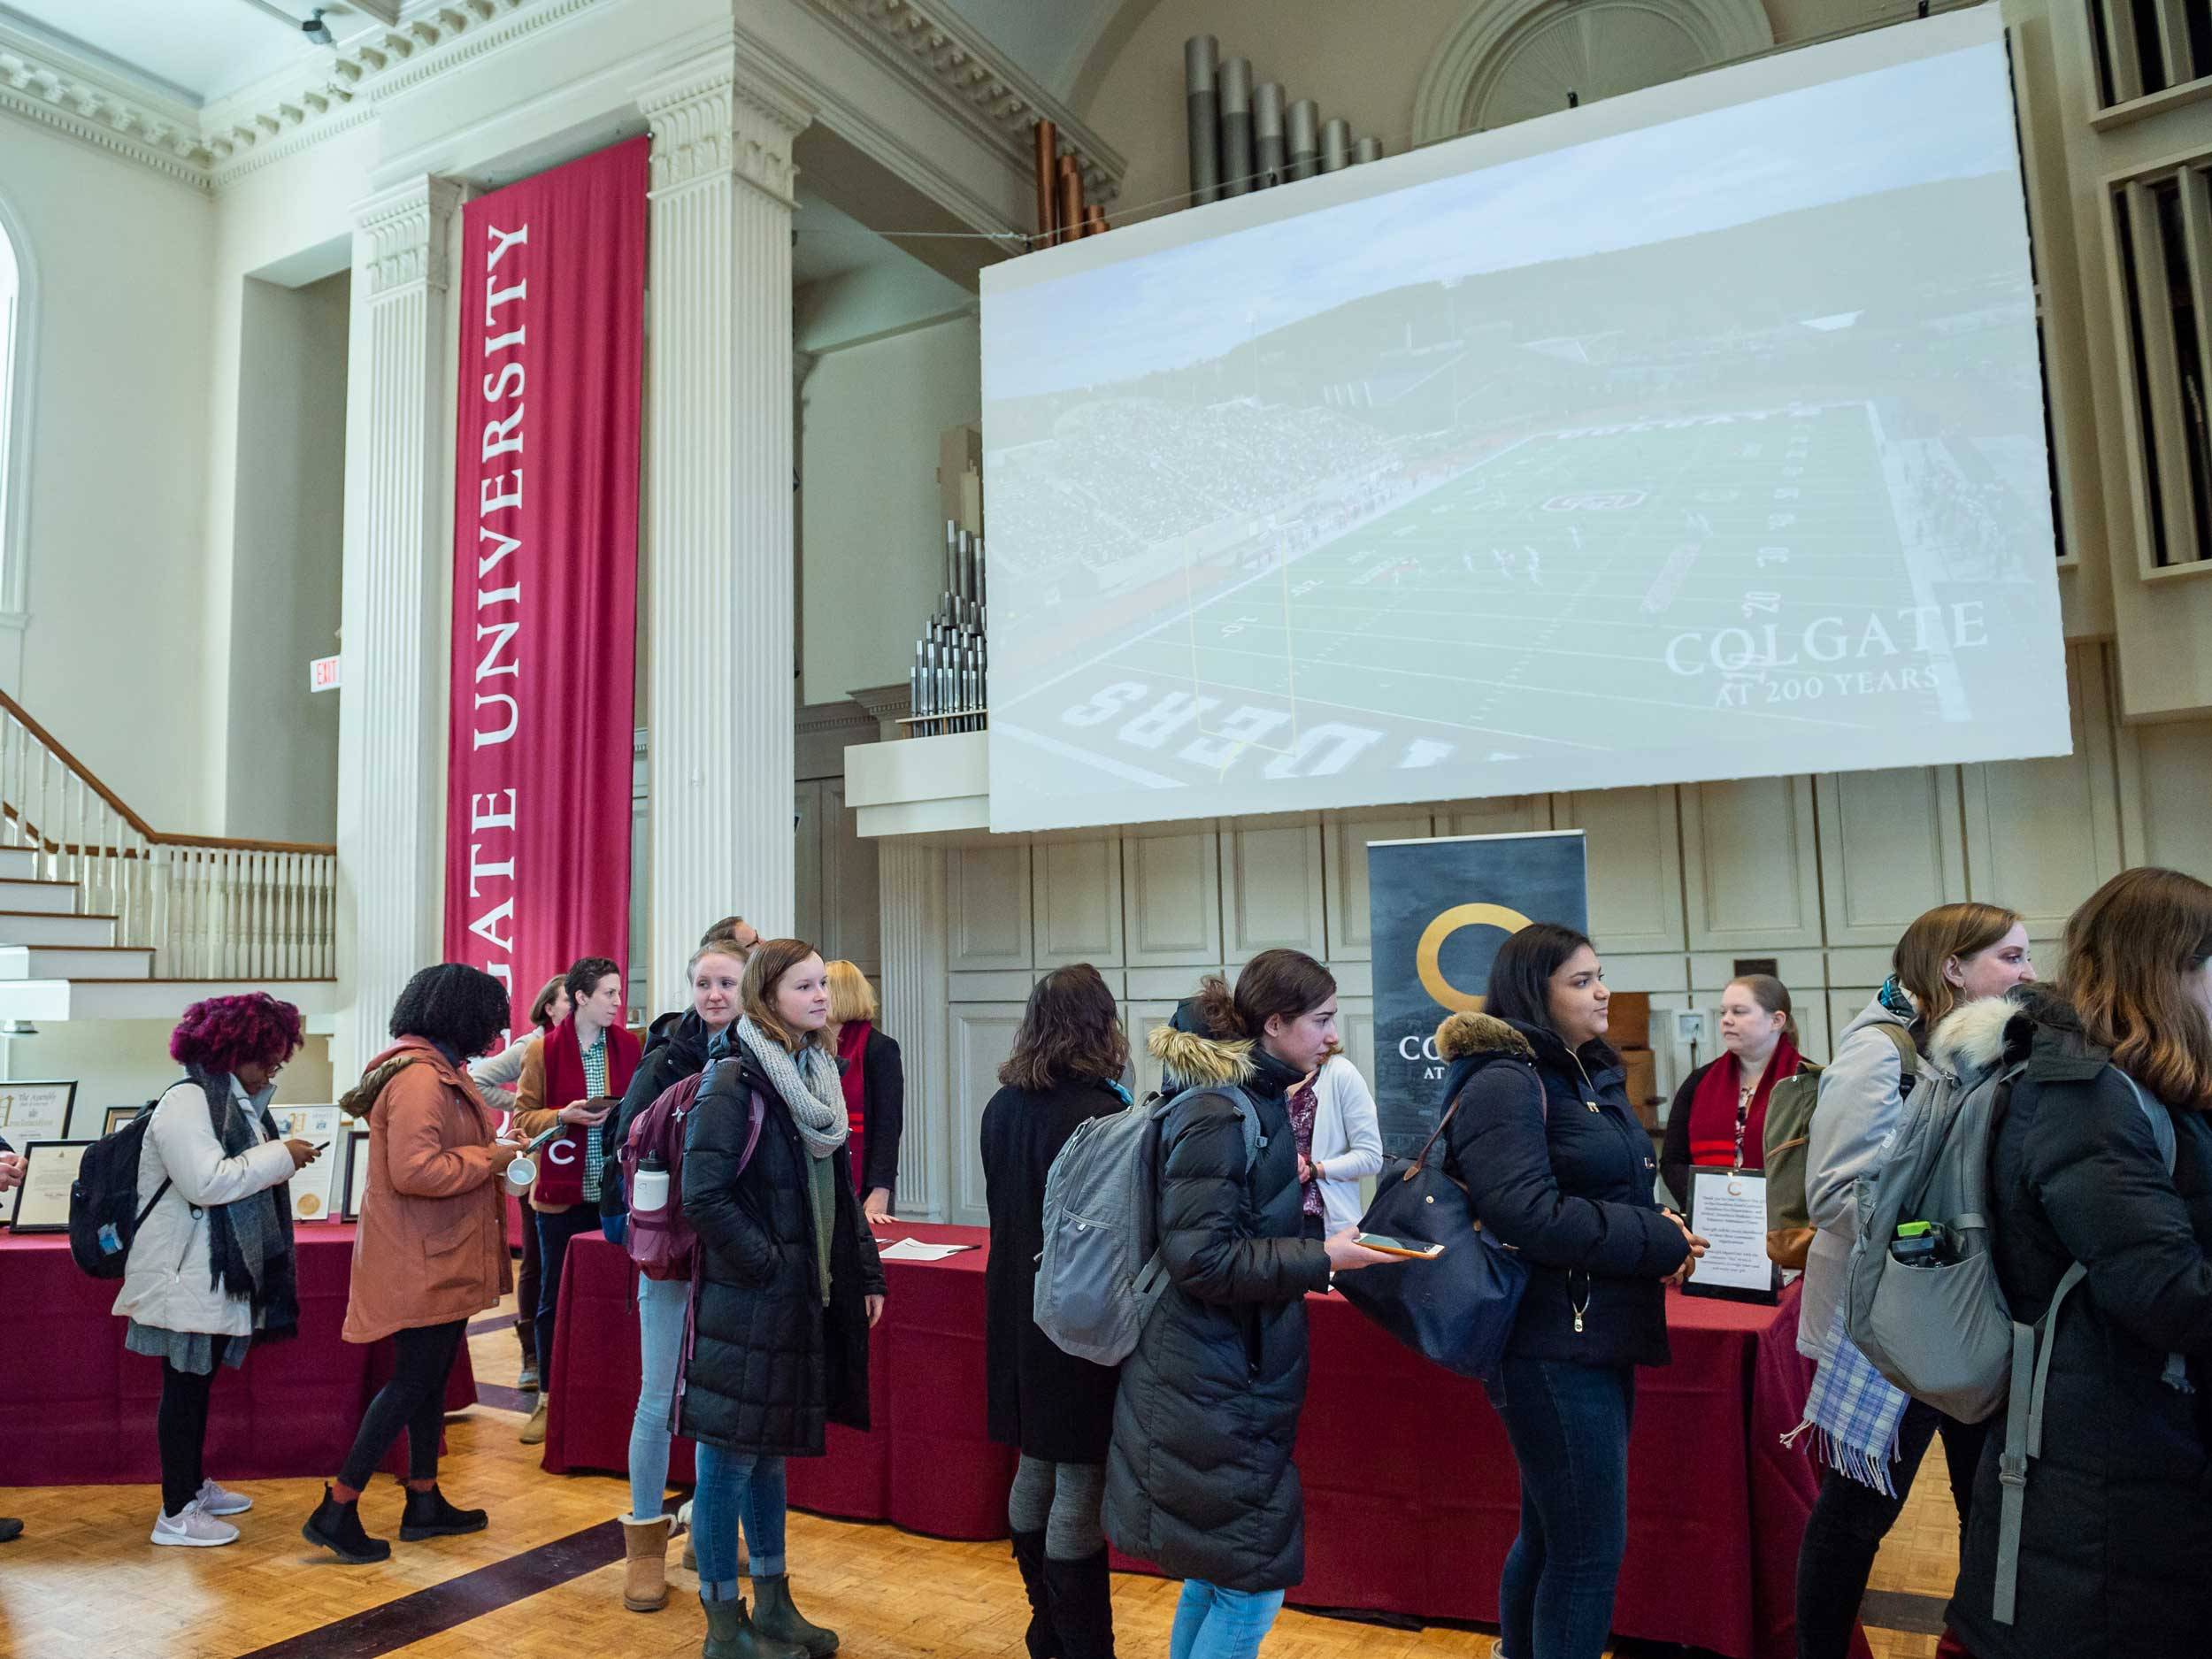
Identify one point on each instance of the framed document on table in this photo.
(50, 1169)
(356, 1173)
(35, 1111)
(314, 1186)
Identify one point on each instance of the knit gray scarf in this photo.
(809, 1085)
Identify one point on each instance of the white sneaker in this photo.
(214, 1500)
(193, 1530)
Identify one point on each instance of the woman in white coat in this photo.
(210, 1269)
(1347, 1142)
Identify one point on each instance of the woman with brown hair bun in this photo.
(2102, 1154)
(1057, 1409)
(789, 1283)
(1953, 953)
(1199, 1479)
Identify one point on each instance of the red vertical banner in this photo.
(545, 552)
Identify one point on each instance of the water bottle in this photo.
(649, 1190)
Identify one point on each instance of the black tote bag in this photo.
(1456, 1310)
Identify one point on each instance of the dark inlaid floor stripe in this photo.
(425, 1613)
(496, 1322)
(1905, 1610)
(489, 1393)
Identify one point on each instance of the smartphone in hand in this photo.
(1383, 1245)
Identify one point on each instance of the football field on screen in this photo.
(1530, 603)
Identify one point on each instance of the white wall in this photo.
(288, 532)
(872, 526)
(114, 659)
(127, 1063)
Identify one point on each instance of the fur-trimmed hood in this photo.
(1463, 1035)
(1193, 1059)
(2033, 1022)
(1970, 1038)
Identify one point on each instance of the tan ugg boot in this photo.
(645, 1564)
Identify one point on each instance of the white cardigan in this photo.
(166, 1284)
(1347, 1140)
(496, 1075)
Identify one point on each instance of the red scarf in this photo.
(1713, 1109)
(561, 1163)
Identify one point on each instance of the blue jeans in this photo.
(661, 1306)
(1211, 1623)
(1569, 1427)
(732, 1484)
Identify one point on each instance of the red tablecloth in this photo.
(925, 1463)
(1411, 1497)
(76, 1409)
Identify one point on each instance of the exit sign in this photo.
(322, 674)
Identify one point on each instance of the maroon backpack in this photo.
(660, 1240)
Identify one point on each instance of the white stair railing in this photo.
(208, 906)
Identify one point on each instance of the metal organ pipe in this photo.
(1236, 125)
(1202, 65)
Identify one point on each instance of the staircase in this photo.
(102, 917)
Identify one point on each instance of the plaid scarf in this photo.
(1854, 1414)
(249, 1239)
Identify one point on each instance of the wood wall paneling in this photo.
(1172, 899)
(1344, 838)
(852, 914)
(982, 1037)
(1078, 903)
(1271, 889)
(1892, 844)
(1749, 870)
(1633, 844)
(988, 900)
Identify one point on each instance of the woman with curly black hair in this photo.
(431, 1250)
(210, 1269)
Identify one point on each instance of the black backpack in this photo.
(103, 1212)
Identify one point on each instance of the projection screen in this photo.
(1695, 433)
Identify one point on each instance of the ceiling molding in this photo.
(957, 68)
(96, 107)
(1463, 71)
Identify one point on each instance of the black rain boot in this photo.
(1082, 1596)
(428, 1515)
(337, 1527)
(774, 1616)
(1029, 1555)
(731, 1635)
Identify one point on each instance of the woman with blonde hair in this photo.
(1953, 953)
(874, 1081)
(788, 1284)
(2102, 1156)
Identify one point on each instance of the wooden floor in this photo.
(83, 1583)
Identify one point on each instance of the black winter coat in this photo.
(771, 1366)
(1200, 1480)
(675, 1049)
(1569, 1186)
(2116, 1534)
(883, 1114)
(1039, 1398)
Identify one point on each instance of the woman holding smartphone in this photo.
(1558, 1166)
(1199, 1479)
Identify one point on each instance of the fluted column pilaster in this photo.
(912, 885)
(390, 797)
(718, 504)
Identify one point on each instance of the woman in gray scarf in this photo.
(789, 1283)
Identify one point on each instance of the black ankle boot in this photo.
(337, 1527)
(1082, 1597)
(1029, 1555)
(428, 1515)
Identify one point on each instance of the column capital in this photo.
(725, 112)
(406, 228)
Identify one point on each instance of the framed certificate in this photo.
(35, 1111)
(42, 1203)
(117, 1117)
(315, 1187)
(357, 1172)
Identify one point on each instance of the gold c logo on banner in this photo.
(1431, 946)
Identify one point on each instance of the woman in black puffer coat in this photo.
(1199, 1479)
(2116, 1523)
(1557, 1166)
(789, 1284)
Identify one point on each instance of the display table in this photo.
(77, 1410)
(1411, 1497)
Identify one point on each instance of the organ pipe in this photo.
(1201, 66)
(1236, 125)
(1268, 151)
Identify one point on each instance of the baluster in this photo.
(291, 965)
(10, 835)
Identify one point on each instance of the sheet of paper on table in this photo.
(915, 1250)
(1729, 1211)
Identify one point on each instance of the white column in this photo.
(390, 795)
(914, 995)
(718, 505)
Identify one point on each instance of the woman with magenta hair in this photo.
(210, 1270)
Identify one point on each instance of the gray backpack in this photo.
(1100, 1275)
(1941, 1330)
